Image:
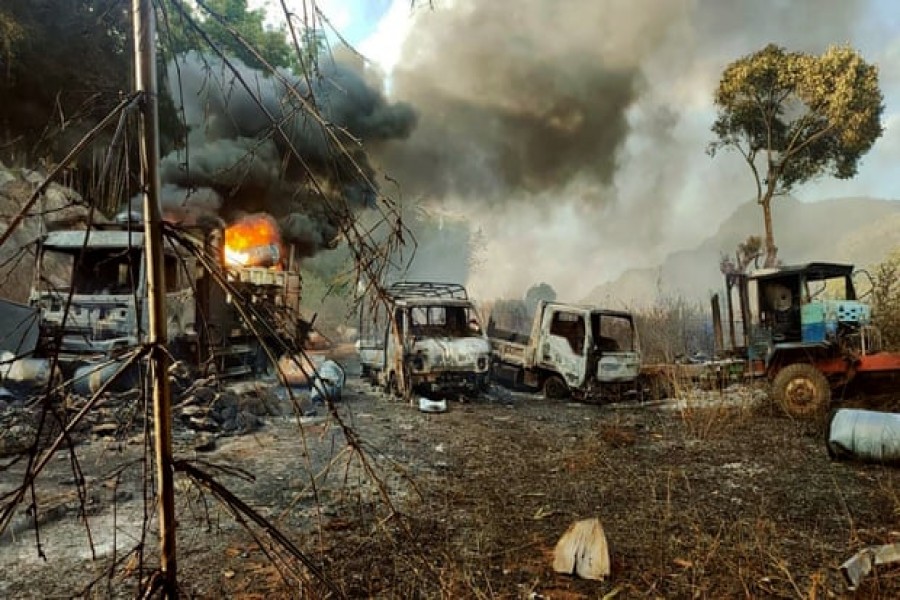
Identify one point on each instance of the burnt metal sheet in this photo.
(18, 327)
(74, 239)
(814, 271)
(430, 289)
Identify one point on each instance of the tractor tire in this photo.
(555, 388)
(802, 391)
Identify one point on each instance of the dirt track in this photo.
(706, 499)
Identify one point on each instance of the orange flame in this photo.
(246, 237)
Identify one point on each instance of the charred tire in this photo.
(555, 388)
(801, 390)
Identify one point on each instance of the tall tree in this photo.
(66, 65)
(10, 34)
(795, 116)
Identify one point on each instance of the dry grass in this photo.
(702, 501)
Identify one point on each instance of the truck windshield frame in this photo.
(612, 332)
(100, 271)
(443, 320)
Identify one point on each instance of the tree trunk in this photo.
(771, 248)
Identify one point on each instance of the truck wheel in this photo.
(801, 390)
(555, 387)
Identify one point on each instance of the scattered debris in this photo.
(432, 406)
(861, 563)
(583, 551)
(328, 382)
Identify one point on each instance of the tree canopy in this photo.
(796, 116)
(218, 19)
(65, 63)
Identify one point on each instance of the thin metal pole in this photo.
(144, 24)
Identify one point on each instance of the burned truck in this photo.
(424, 338)
(583, 351)
(90, 300)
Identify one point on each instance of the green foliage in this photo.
(886, 300)
(220, 20)
(746, 254)
(67, 65)
(796, 116)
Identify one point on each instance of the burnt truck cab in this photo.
(426, 339)
(90, 296)
(585, 351)
(90, 292)
(806, 331)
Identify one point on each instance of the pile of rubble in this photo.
(234, 409)
(207, 406)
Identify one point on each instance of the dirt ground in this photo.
(716, 496)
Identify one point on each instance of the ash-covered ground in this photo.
(715, 495)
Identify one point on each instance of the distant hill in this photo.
(860, 231)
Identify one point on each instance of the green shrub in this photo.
(885, 299)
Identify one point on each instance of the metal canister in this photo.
(865, 435)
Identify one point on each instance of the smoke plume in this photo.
(254, 144)
(573, 133)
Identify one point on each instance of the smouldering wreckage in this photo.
(232, 303)
(424, 338)
(583, 351)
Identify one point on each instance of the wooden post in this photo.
(717, 325)
(144, 28)
(729, 306)
(744, 293)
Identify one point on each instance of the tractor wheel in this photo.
(555, 388)
(801, 390)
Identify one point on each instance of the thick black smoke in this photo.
(574, 132)
(262, 144)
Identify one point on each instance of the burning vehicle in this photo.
(228, 290)
(426, 338)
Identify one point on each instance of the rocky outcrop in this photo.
(57, 207)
